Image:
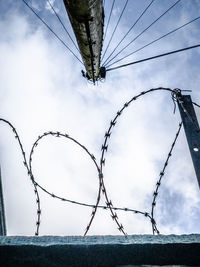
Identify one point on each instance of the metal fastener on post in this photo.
(192, 129)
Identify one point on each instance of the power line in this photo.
(109, 18)
(144, 30)
(115, 28)
(178, 28)
(51, 30)
(104, 64)
(161, 55)
(196, 104)
(58, 17)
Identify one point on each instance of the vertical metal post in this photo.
(192, 130)
(2, 211)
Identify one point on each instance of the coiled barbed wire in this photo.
(66, 136)
(105, 148)
(102, 188)
(29, 174)
(35, 184)
(161, 175)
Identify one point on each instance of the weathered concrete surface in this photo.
(87, 19)
(100, 250)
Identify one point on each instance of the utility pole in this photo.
(2, 211)
(87, 20)
(192, 130)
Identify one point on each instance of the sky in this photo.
(42, 90)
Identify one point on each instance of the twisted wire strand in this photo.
(177, 96)
(35, 184)
(29, 174)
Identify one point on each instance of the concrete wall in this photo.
(100, 250)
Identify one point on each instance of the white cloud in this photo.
(42, 89)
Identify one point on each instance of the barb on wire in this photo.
(58, 134)
(102, 189)
(94, 207)
(105, 147)
(29, 174)
(162, 173)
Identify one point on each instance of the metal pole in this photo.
(2, 211)
(192, 130)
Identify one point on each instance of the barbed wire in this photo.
(29, 174)
(101, 189)
(58, 134)
(105, 148)
(29, 169)
(162, 173)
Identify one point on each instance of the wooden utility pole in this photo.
(2, 211)
(192, 130)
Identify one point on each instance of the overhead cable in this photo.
(150, 58)
(163, 36)
(58, 17)
(109, 19)
(104, 64)
(115, 28)
(51, 30)
(144, 30)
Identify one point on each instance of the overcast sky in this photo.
(42, 90)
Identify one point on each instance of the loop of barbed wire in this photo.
(161, 175)
(66, 136)
(102, 189)
(29, 174)
(35, 184)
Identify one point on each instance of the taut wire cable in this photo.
(161, 37)
(140, 34)
(104, 63)
(52, 31)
